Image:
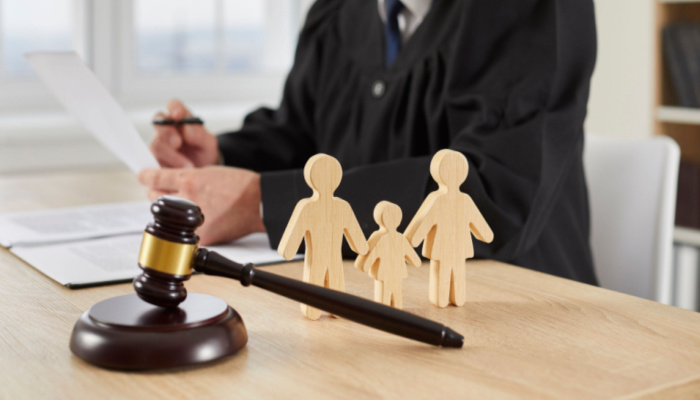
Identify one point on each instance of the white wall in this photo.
(622, 91)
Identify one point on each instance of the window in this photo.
(29, 25)
(202, 37)
(147, 51)
(235, 50)
(24, 30)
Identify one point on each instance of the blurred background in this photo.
(224, 58)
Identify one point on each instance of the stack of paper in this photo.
(94, 245)
(69, 224)
(97, 245)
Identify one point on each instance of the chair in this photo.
(632, 191)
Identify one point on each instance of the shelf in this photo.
(679, 115)
(680, 1)
(687, 236)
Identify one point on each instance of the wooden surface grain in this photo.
(528, 335)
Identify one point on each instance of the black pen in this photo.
(184, 121)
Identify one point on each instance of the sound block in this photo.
(127, 333)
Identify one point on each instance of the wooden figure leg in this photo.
(315, 279)
(398, 301)
(310, 312)
(433, 282)
(439, 283)
(378, 291)
(336, 278)
(458, 286)
(386, 295)
(392, 293)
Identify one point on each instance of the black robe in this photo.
(505, 82)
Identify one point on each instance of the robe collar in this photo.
(418, 8)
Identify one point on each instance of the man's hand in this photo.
(229, 198)
(183, 146)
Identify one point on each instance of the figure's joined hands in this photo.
(230, 198)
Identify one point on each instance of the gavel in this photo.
(170, 254)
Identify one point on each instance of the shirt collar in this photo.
(418, 8)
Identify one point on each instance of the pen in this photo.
(184, 121)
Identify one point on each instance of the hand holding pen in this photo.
(189, 157)
(181, 140)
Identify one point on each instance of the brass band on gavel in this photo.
(166, 256)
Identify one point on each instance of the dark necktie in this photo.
(393, 34)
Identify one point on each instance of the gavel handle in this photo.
(344, 305)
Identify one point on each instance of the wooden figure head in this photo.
(388, 215)
(323, 174)
(449, 168)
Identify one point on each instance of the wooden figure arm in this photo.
(353, 233)
(417, 229)
(361, 260)
(368, 260)
(293, 233)
(479, 227)
(410, 254)
(422, 227)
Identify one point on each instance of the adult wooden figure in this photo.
(446, 220)
(388, 253)
(321, 221)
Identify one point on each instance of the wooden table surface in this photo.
(528, 335)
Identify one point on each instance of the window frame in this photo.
(104, 37)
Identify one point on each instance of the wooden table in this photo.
(528, 335)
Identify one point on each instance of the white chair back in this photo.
(632, 191)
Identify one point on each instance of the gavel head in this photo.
(168, 247)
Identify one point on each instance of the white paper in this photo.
(85, 262)
(75, 223)
(114, 259)
(82, 94)
(254, 248)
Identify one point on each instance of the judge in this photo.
(383, 85)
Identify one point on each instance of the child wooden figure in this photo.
(445, 221)
(388, 252)
(321, 221)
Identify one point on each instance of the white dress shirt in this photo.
(410, 17)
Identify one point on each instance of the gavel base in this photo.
(127, 333)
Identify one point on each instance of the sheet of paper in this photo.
(83, 263)
(75, 223)
(82, 94)
(115, 259)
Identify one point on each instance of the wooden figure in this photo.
(321, 221)
(445, 221)
(388, 253)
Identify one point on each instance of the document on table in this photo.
(95, 245)
(77, 223)
(82, 94)
(114, 259)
